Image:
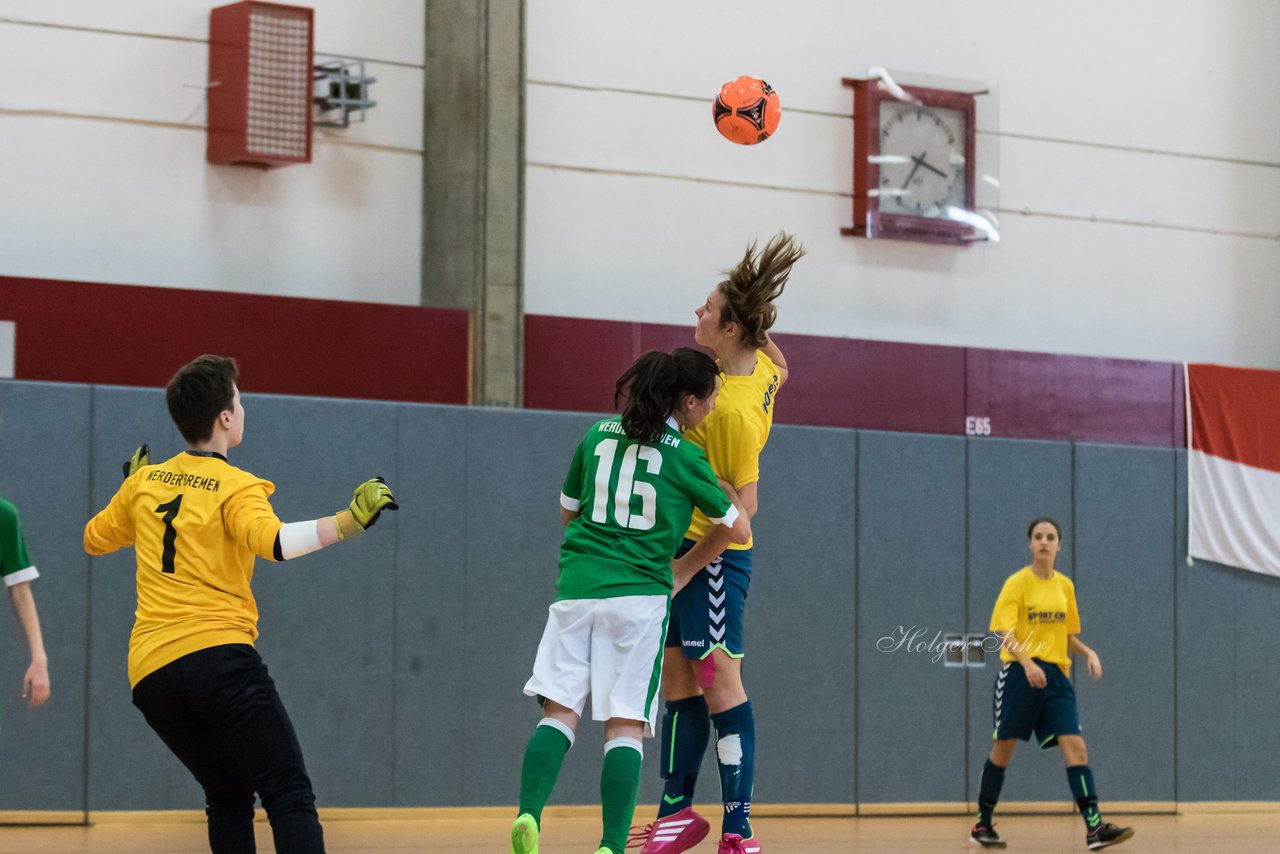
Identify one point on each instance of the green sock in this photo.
(619, 783)
(543, 757)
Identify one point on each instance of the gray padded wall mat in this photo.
(800, 620)
(516, 462)
(1011, 482)
(401, 657)
(429, 750)
(44, 472)
(327, 619)
(1226, 738)
(1124, 548)
(1206, 647)
(911, 591)
(1257, 633)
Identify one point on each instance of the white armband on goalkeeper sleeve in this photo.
(299, 538)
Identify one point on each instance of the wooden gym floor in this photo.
(1235, 833)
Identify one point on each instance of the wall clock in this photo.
(913, 164)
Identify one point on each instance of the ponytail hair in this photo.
(754, 284)
(656, 383)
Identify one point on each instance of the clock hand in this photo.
(921, 162)
(913, 171)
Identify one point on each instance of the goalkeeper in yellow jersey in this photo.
(196, 523)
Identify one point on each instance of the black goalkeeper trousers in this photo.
(218, 711)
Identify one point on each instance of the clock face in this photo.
(922, 168)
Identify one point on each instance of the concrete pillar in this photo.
(473, 176)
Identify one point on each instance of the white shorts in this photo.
(608, 648)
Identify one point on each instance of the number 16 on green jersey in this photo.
(635, 500)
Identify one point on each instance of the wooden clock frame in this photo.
(868, 220)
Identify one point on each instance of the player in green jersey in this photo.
(18, 572)
(627, 501)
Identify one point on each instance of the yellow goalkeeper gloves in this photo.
(367, 503)
(140, 458)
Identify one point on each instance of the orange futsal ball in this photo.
(747, 111)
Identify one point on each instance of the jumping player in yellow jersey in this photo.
(196, 523)
(1038, 623)
(702, 672)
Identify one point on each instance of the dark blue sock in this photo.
(1080, 778)
(989, 791)
(736, 756)
(686, 729)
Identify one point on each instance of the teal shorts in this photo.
(707, 614)
(1021, 710)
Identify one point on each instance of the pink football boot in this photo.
(732, 843)
(671, 834)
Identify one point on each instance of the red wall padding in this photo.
(132, 335)
(572, 363)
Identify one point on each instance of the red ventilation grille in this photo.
(260, 58)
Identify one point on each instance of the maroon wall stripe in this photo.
(572, 363)
(1044, 396)
(1179, 408)
(134, 335)
(873, 385)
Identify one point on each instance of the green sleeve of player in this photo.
(13, 549)
(704, 488)
(571, 492)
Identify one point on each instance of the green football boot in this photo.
(524, 835)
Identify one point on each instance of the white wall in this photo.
(1139, 155)
(102, 170)
(1139, 159)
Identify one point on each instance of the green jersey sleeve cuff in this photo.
(573, 505)
(20, 576)
(730, 516)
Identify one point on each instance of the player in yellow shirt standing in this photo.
(1038, 623)
(196, 524)
(702, 671)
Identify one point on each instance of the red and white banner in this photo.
(1233, 462)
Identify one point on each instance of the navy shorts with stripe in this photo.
(707, 613)
(1019, 709)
